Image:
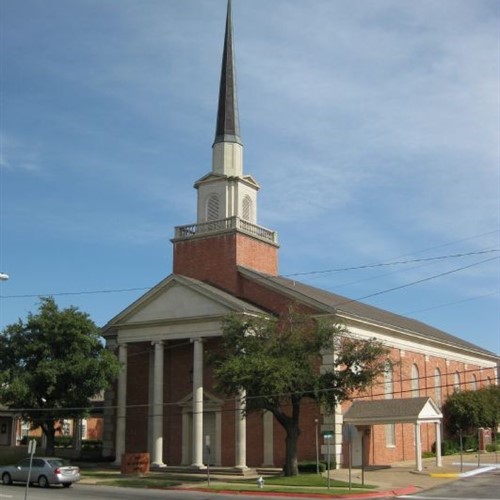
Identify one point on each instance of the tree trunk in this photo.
(50, 433)
(291, 467)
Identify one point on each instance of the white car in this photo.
(44, 471)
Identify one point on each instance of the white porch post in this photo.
(241, 432)
(439, 462)
(418, 447)
(158, 406)
(198, 403)
(121, 411)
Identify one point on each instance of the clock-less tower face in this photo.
(222, 197)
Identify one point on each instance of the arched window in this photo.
(474, 382)
(247, 208)
(415, 390)
(388, 381)
(213, 207)
(456, 382)
(438, 386)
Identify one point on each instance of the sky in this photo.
(371, 127)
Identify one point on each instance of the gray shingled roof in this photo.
(387, 410)
(331, 302)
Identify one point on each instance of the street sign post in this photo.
(31, 452)
(328, 436)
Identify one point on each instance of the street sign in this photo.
(327, 434)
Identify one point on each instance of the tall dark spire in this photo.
(228, 123)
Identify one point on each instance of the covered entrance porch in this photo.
(416, 411)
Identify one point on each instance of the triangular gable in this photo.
(178, 298)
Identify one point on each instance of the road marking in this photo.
(6, 496)
(435, 498)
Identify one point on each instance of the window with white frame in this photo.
(456, 382)
(438, 387)
(474, 382)
(415, 389)
(388, 381)
(390, 435)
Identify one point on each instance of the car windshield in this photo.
(57, 462)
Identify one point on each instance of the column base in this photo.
(158, 465)
(240, 468)
(198, 466)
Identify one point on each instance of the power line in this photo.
(308, 273)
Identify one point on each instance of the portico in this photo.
(178, 312)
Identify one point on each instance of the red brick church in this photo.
(225, 262)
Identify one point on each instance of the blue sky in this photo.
(372, 128)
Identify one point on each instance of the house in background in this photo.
(164, 402)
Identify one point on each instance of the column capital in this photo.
(157, 342)
(197, 339)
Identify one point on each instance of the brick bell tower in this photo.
(226, 234)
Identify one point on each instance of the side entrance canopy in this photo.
(393, 411)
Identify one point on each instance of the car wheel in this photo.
(43, 482)
(66, 485)
(6, 479)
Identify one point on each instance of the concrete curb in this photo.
(375, 494)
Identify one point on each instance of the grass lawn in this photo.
(305, 483)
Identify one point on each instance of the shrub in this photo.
(91, 444)
(428, 454)
(310, 466)
(63, 441)
(26, 439)
(448, 447)
(470, 443)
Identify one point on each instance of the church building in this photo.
(225, 262)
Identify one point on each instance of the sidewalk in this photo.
(403, 475)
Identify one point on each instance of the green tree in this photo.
(277, 360)
(469, 410)
(51, 364)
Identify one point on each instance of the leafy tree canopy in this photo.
(276, 361)
(472, 409)
(51, 364)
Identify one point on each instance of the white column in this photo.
(198, 439)
(77, 434)
(241, 432)
(268, 423)
(418, 447)
(16, 421)
(157, 420)
(439, 462)
(121, 410)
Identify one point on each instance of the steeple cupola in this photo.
(226, 234)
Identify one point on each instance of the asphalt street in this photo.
(480, 487)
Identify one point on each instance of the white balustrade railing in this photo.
(223, 225)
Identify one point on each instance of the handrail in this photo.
(224, 225)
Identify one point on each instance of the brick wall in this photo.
(214, 259)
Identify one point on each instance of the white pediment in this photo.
(430, 411)
(177, 307)
(178, 302)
